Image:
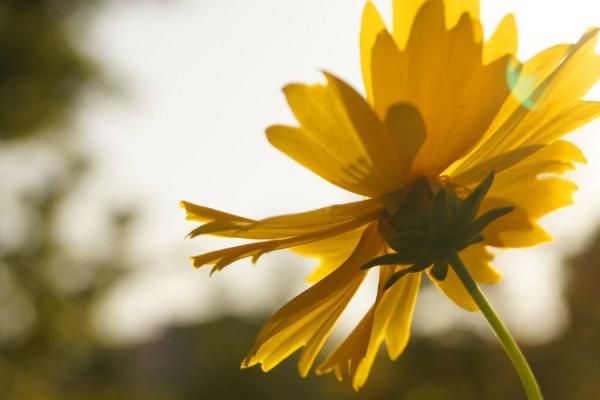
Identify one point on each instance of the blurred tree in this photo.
(42, 73)
(53, 353)
(48, 290)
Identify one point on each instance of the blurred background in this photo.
(113, 111)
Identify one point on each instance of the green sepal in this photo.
(471, 204)
(474, 229)
(477, 239)
(427, 225)
(408, 240)
(440, 271)
(388, 259)
(440, 213)
(399, 274)
(395, 277)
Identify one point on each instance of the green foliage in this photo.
(42, 73)
(57, 349)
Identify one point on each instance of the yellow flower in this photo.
(441, 104)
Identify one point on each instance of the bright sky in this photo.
(202, 80)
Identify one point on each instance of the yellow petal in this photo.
(340, 138)
(442, 75)
(389, 74)
(389, 319)
(478, 259)
(405, 12)
(566, 121)
(400, 321)
(528, 187)
(203, 214)
(372, 24)
(503, 42)
(456, 8)
(347, 356)
(316, 220)
(402, 120)
(478, 262)
(475, 174)
(453, 288)
(307, 320)
(517, 229)
(547, 92)
(408, 130)
(228, 225)
(331, 252)
(222, 258)
(309, 152)
(401, 299)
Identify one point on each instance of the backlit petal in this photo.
(545, 102)
(405, 12)
(222, 258)
(479, 259)
(566, 121)
(457, 101)
(307, 320)
(331, 252)
(528, 187)
(389, 319)
(478, 262)
(223, 224)
(398, 328)
(372, 24)
(453, 288)
(341, 139)
(503, 42)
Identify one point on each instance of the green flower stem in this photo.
(510, 346)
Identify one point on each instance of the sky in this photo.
(199, 83)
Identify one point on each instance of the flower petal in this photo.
(403, 120)
(340, 138)
(310, 153)
(504, 41)
(478, 262)
(409, 132)
(453, 288)
(372, 24)
(478, 259)
(532, 195)
(349, 354)
(566, 121)
(546, 101)
(222, 258)
(389, 319)
(398, 327)
(308, 319)
(449, 98)
(331, 252)
(204, 214)
(405, 12)
(229, 225)
(316, 220)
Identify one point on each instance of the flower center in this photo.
(408, 210)
(427, 221)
